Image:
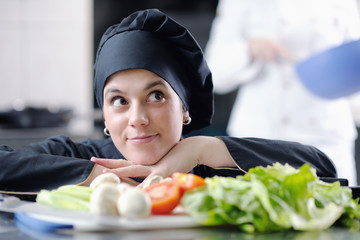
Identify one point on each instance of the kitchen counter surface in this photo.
(9, 229)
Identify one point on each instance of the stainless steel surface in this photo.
(9, 230)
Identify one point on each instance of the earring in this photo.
(187, 121)
(106, 131)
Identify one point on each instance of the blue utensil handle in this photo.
(38, 224)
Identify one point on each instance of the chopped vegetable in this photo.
(123, 187)
(71, 197)
(105, 178)
(134, 203)
(165, 196)
(274, 198)
(81, 192)
(106, 196)
(152, 180)
(187, 181)
(104, 199)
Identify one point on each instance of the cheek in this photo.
(175, 122)
(116, 126)
(114, 122)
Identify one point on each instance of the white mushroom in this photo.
(111, 197)
(104, 198)
(152, 180)
(123, 187)
(167, 179)
(105, 178)
(134, 203)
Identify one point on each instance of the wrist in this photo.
(203, 147)
(97, 170)
(214, 153)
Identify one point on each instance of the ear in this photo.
(185, 116)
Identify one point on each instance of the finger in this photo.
(281, 51)
(111, 163)
(263, 52)
(268, 55)
(286, 55)
(129, 181)
(131, 171)
(257, 54)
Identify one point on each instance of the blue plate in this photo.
(37, 224)
(333, 73)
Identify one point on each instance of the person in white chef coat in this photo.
(254, 46)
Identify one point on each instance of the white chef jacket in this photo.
(272, 102)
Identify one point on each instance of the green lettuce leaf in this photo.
(273, 198)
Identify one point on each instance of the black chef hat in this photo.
(153, 41)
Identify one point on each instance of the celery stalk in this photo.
(81, 192)
(70, 197)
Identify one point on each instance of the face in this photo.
(143, 114)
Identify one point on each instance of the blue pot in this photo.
(333, 73)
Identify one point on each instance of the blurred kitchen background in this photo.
(47, 52)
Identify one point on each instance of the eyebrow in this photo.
(151, 85)
(112, 90)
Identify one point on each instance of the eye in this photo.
(156, 96)
(119, 101)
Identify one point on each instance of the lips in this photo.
(142, 139)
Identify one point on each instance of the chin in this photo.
(145, 160)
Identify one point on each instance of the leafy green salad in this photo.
(274, 198)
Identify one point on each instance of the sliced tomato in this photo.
(165, 196)
(187, 181)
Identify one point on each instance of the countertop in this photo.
(10, 230)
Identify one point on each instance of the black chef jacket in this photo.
(59, 161)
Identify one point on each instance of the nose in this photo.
(138, 116)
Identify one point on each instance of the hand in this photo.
(267, 50)
(171, 162)
(183, 157)
(123, 169)
(190, 152)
